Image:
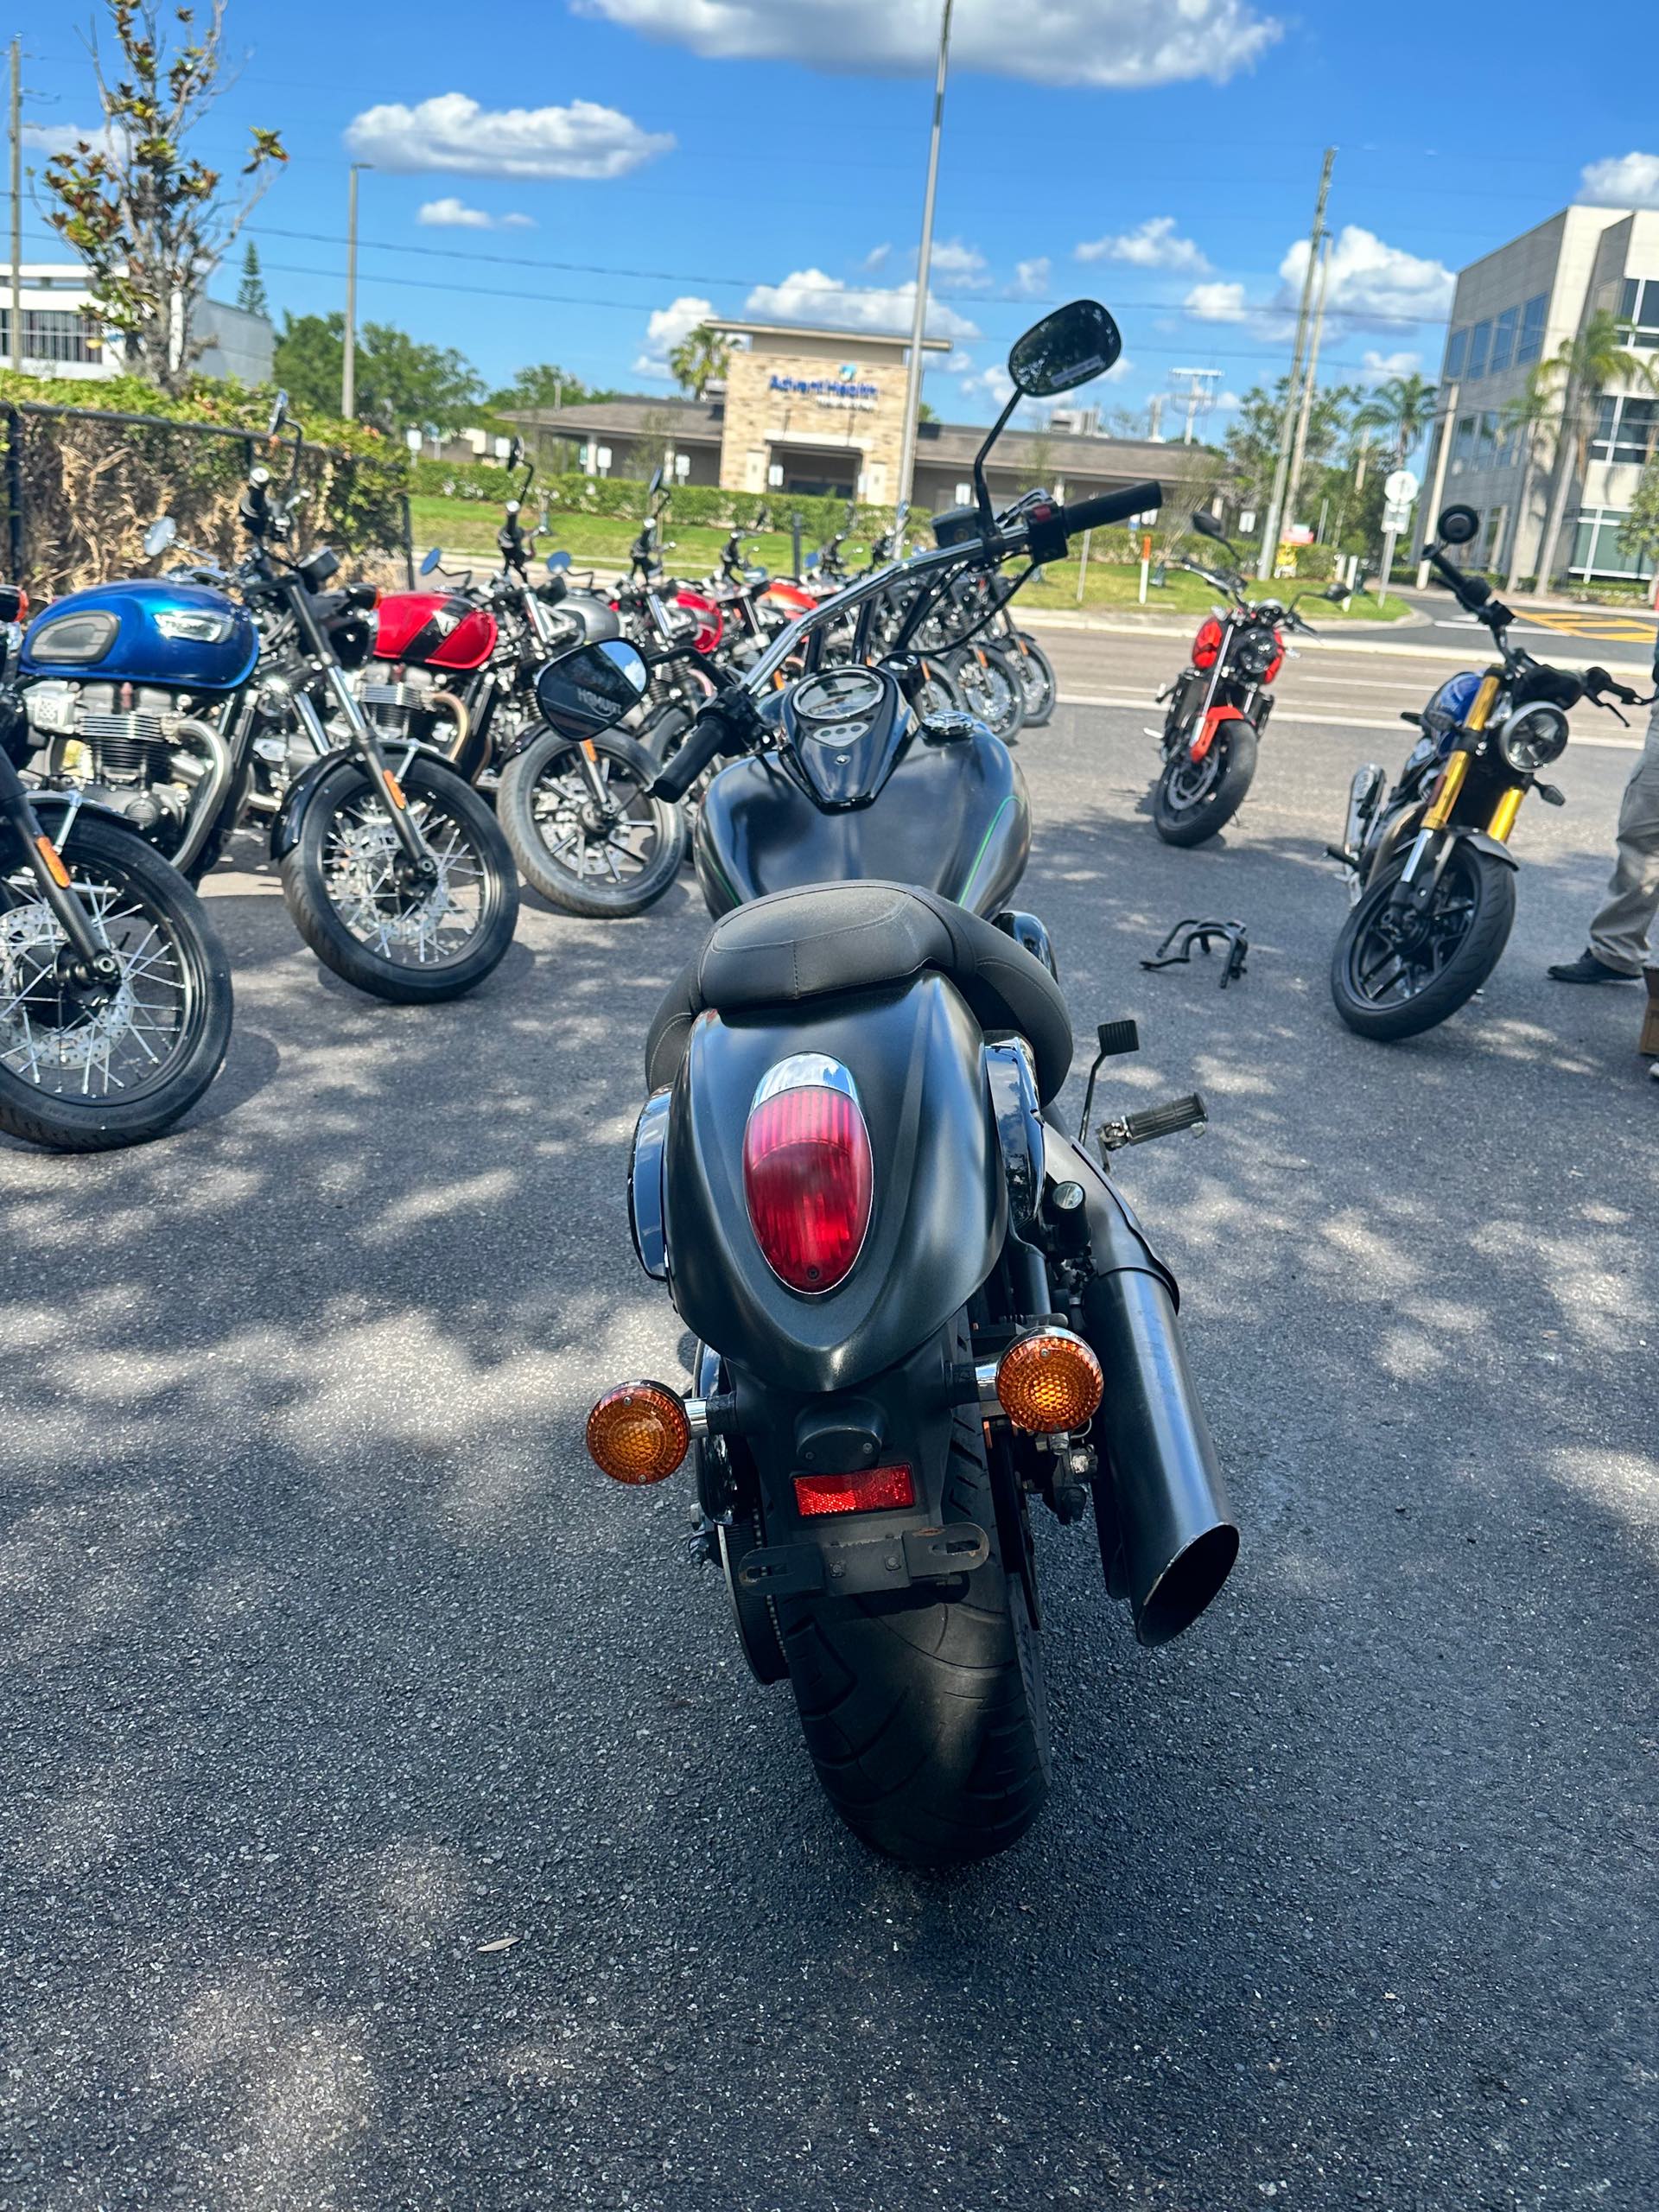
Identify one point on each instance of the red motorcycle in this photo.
(1219, 704)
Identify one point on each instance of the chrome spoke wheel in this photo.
(72, 1040)
(409, 920)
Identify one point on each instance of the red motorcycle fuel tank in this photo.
(434, 629)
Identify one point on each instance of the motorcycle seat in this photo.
(849, 936)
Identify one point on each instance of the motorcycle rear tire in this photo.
(1236, 741)
(927, 1721)
(1478, 952)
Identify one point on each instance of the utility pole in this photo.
(16, 203)
(1155, 418)
(1310, 386)
(1197, 395)
(918, 325)
(348, 352)
(1275, 514)
(1431, 507)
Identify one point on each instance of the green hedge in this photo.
(90, 488)
(622, 499)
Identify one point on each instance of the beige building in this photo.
(815, 411)
(1513, 309)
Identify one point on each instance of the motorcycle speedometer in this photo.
(1532, 738)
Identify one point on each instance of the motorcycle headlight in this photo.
(1532, 738)
(1255, 652)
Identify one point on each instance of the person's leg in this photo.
(1618, 935)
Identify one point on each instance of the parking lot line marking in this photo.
(1322, 722)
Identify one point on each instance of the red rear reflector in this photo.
(807, 1182)
(867, 1491)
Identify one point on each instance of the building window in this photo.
(1597, 547)
(53, 334)
(1480, 338)
(1530, 344)
(1503, 338)
(1457, 346)
(1624, 429)
(1639, 312)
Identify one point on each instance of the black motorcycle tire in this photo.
(559, 886)
(991, 691)
(1036, 674)
(927, 1720)
(1236, 742)
(1478, 951)
(313, 911)
(102, 1125)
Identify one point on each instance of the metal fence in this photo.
(80, 486)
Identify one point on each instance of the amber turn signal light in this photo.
(638, 1432)
(1049, 1382)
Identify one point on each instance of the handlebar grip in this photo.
(674, 781)
(1110, 506)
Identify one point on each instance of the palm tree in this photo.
(1524, 417)
(1582, 367)
(699, 359)
(1402, 407)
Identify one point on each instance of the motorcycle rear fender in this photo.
(301, 797)
(940, 1206)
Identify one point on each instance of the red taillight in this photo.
(1207, 645)
(807, 1182)
(870, 1491)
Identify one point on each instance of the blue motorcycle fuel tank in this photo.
(865, 792)
(178, 637)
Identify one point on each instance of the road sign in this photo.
(1396, 516)
(1400, 488)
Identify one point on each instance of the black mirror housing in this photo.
(1457, 525)
(1065, 349)
(591, 689)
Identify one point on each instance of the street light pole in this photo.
(16, 204)
(918, 326)
(348, 352)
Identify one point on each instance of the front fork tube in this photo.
(86, 938)
(367, 748)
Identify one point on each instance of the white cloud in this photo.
(1217, 302)
(65, 138)
(1369, 280)
(451, 131)
(1125, 43)
(1379, 366)
(808, 295)
(452, 214)
(994, 384)
(964, 266)
(1120, 367)
(1154, 244)
(875, 258)
(1031, 278)
(1622, 181)
(665, 329)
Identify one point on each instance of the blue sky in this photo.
(576, 182)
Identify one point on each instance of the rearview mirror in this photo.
(556, 562)
(655, 485)
(433, 559)
(160, 535)
(278, 414)
(1459, 525)
(1206, 525)
(515, 453)
(1064, 349)
(592, 689)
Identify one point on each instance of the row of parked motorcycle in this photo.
(922, 1310)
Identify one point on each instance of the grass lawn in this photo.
(466, 529)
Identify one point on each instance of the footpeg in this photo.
(1188, 1113)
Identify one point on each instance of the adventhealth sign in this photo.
(830, 391)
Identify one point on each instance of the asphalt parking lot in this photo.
(387, 1817)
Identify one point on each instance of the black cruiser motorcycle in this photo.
(1430, 872)
(923, 1307)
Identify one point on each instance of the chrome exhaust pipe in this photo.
(207, 801)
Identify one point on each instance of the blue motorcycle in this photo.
(115, 991)
(172, 705)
